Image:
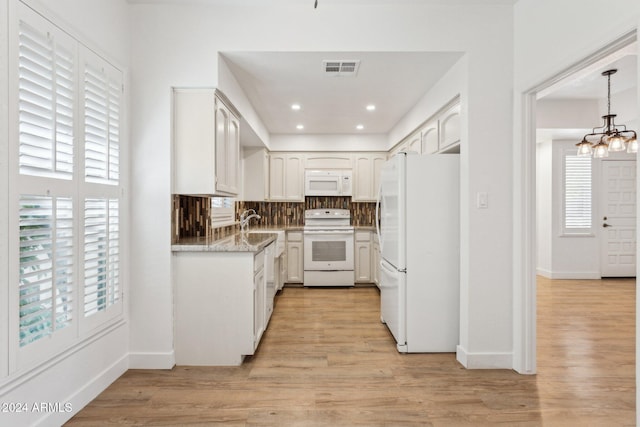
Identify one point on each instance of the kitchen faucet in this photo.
(245, 217)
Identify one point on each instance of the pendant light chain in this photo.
(608, 94)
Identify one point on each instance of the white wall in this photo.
(568, 114)
(178, 45)
(572, 30)
(75, 376)
(562, 256)
(544, 206)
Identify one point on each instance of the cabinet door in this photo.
(328, 161)
(430, 138)
(294, 178)
(194, 141)
(259, 304)
(377, 161)
(362, 189)
(450, 127)
(277, 170)
(222, 126)
(295, 259)
(367, 167)
(415, 143)
(363, 262)
(233, 155)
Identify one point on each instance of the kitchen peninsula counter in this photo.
(239, 242)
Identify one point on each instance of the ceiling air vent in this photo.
(341, 68)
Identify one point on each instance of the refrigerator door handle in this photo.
(384, 264)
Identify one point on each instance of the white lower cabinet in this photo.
(259, 298)
(219, 306)
(295, 257)
(375, 260)
(362, 256)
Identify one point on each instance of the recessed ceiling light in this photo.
(371, 107)
(300, 127)
(360, 127)
(295, 107)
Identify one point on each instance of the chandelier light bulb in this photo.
(600, 150)
(585, 149)
(616, 143)
(632, 145)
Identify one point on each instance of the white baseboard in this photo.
(484, 360)
(569, 275)
(158, 360)
(544, 272)
(87, 393)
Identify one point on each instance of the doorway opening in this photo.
(525, 295)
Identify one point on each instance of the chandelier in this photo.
(609, 136)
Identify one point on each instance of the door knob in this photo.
(605, 225)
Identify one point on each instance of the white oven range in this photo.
(328, 248)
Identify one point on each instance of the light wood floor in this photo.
(327, 361)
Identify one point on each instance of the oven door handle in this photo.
(325, 232)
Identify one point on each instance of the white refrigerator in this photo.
(419, 233)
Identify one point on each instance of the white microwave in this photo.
(327, 183)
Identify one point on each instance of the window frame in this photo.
(25, 358)
(567, 230)
(223, 216)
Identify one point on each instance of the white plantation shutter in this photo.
(577, 194)
(46, 102)
(101, 255)
(102, 106)
(65, 109)
(46, 266)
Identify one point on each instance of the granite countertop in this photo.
(239, 242)
(249, 242)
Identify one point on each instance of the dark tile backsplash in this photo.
(191, 216)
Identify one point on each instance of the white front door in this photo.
(618, 218)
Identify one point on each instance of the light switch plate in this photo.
(482, 201)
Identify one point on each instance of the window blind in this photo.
(101, 125)
(46, 266)
(577, 193)
(101, 255)
(222, 210)
(46, 104)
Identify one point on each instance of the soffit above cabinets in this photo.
(333, 89)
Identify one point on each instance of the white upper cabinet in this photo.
(415, 143)
(450, 127)
(430, 137)
(367, 167)
(206, 143)
(440, 134)
(328, 160)
(286, 177)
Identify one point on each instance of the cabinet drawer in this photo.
(294, 236)
(363, 236)
(258, 262)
